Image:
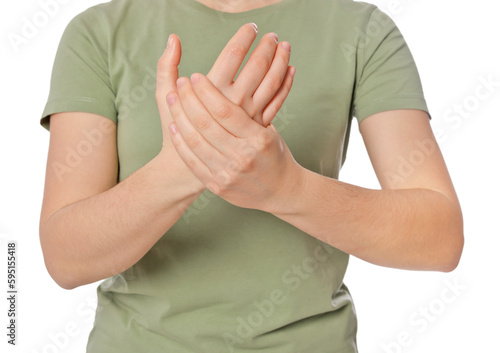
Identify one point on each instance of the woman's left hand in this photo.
(235, 157)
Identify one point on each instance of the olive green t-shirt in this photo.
(223, 278)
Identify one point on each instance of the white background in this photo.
(455, 44)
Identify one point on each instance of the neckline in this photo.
(198, 6)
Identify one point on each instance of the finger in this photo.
(272, 108)
(210, 179)
(256, 67)
(273, 80)
(199, 169)
(201, 120)
(167, 74)
(195, 141)
(230, 116)
(230, 59)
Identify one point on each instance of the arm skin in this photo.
(93, 228)
(414, 222)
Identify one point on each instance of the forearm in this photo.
(417, 229)
(103, 235)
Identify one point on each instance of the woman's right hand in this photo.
(260, 89)
(263, 83)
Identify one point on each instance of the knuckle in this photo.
(246, 164)
(237, 51)
(261, 62)
(234, 166)
(193, 140)
(263, 141)
(223, 111)
(244, 161)
(214, 188)
(202, 123)
(224, 180)
(249, 154)
(191, 163)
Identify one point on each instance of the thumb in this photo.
(167, 74)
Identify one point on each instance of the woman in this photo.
(220, 224)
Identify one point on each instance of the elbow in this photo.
(68, 269)
(452, 255)
(61, 271)
(61, 274)
(450, 265)
(66, 283)
(453, 246)
(63, 267)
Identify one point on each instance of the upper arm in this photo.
(405, 153)
(82, 159)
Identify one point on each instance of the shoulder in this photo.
(344, 10)
(347, 19)
(102, 22)
(116, 11)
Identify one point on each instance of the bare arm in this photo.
(414, 222)
(90, 226)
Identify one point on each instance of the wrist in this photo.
(174, 172)
(290, 198)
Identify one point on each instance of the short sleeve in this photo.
(80, 76)
(387, 77)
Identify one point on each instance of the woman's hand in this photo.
(264, 82)
(261, 86)
(232, 155)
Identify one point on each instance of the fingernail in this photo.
(170, 41)
(172, 128)
(195, 78)
(273, 36)
(181, 81)
(254, 26)
(171, 98)
(287, 47)
(293, 70)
